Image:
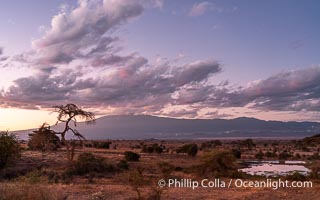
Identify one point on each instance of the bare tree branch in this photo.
(68, 113)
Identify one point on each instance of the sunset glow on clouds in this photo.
(84, 57)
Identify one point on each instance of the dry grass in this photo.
(24, 191)
(125, 184)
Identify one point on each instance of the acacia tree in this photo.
(67, 114)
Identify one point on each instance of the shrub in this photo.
(9, 149)
(101, 145)
(306, 149)
(190, 149)
(269, 154)
(99, 196)
(104, 145)
(21, 168)
(89, 163)
(88, 144)
(236, 153)
(154, 148)
(315, 170)
(131, 156)
(248, 143)
(210, 144)
(66, 176)
(284, 155)
(193, 150)
(147, 149)
(314, 156)
(259, 155)
(217, 163)
(43, 139)
(157, 148)
(166, 169)
(296, 176)
(123, 164)
(32, 177)
(53, 177)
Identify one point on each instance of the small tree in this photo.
(9, 149)
(131, 156)
(67, 114)
(217, 164)
(236, 153)
(259, 155)
(248, 143)
(88, 163)
(190, 149)
(154, 148)
(44, 139)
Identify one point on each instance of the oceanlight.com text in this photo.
(233, 183)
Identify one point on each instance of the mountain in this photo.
(146, 127)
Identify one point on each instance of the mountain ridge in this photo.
(148, 126)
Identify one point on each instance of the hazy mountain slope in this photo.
(144, 127)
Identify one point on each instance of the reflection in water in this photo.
(273, 168)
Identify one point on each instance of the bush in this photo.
(236, 153)
(89, 163)
(101, 145)
(190, 149)
(88, 144)
(131, 156)
(155, 148)
(217, 163)
(314, 156)
(269, 154)
(284, 155)
(166, 169)
(210, 144)
(296, 176)
(32, 177)
(259, 155)
(123, 165)
(248, 143)
(9, 149)
(315, 170)
(104, 145)
(21, 168)
(44, 139)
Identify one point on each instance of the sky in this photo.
(179, 58)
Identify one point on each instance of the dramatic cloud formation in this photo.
(297, 90)
(293, 90)
(80, 33)
(136, 82)
(79, 60)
